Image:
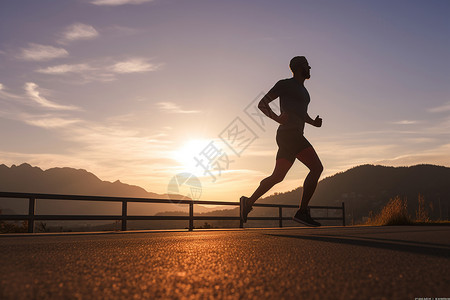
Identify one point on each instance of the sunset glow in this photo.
(186, 153)
(135, 90)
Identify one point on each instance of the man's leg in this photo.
(310, 159)
(282, 166)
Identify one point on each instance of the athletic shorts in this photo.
(290, 143)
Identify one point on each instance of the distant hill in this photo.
(26, 178)
(368, 188)
(363, 189)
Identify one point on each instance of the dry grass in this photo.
(422, 215)
(394, 213)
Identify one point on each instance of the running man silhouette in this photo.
(294, 100)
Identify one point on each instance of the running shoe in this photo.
(305, 219)
(245, 209)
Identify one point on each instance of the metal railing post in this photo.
(241, 204)
(191, 216)
(31, 210)
(280, 215)
(124, 215)
(343, 214)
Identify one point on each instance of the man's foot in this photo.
(305, 219)
(245, 209)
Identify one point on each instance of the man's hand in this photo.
(317, 122)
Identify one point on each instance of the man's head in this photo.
(300, 67)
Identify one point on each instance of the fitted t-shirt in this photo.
(294, 100)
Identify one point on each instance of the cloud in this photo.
(4, 94)
(79, 31)
(117, 149)
(32, 91)
(51, 122)
(443, 108)
(39, 52)
(405, 122)
(62, 69)
(171, 107)
(437, 155)
(86, 72)
(118, 2)
(134, 65)
(109, 151)
(103, 69)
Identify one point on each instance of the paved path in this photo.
(291, 263)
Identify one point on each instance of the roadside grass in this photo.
(396, 213)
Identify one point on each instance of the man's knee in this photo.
(317, 169)
(320, 168)
(279, 178)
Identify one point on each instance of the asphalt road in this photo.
(292, 263)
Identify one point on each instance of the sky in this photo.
(140, 91)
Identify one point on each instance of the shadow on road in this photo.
(438, 250)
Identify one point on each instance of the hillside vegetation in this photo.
(369, 188)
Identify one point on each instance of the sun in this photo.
(185, 155)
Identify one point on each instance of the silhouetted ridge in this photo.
(29, 179)
(368, 188)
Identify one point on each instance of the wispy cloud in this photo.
(122, 149)
(37, 52)
(443, 108)
(405, 122)
(118, 2)
(86, 73)
(102, 69)
(79, 31)
(50, 122)
(171, 107)
(5, 94)
(438, 155)
(134, 65)
(110, 151)
(34, 94)
(62, 69)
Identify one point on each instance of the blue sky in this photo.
(134, 89)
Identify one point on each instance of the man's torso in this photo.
(294, 100)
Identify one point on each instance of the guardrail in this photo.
(31, 217)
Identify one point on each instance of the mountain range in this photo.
(368, 188)
(363, 189)
(28, 179)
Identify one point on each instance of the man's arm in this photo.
(316, 122)
(265, 108)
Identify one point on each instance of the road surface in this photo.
(402, 262)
